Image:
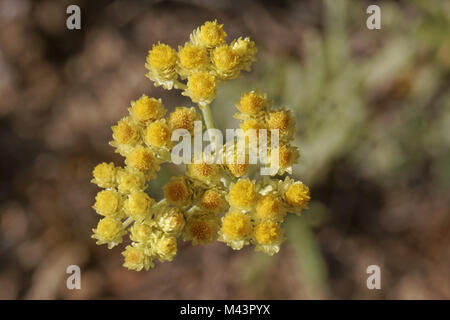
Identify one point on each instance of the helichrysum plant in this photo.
(212, 200)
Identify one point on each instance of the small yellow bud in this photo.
(298, 195)
(201, 86)
(171, 221)
(125, 132)
(109, 229)
(157, 134)
(242, 194)
(251, 103)
(104, 175)
(269, 207)
(200, 231)
(140, 158)
(166, 248)
(252, 124)
(193, 57)
(267, 232)
(282, 121)
(211, 201)
(183, 118)
(224, 58)
(236, 225)
(238, 170)
(130, 181)
(135, 258)
(147, 109)
(162, 57)
(246, 50)
(138, 205)
(176, 192)
(203, 171)
(107, 202)
(141, 232)
(212, 34)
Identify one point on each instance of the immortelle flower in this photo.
(192, 58)
(161, 63)
(236, 229)
(183, 118)
(201, 88)
(212, 201)
(104, 175)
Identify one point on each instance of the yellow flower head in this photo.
(269, 207)
(141, 158)
(200, 230)
(252, 103)
(211, 201)
(176, 192)
(183, 118)
(166, 248)
(157, 134)
(236, 229)
(192, 58)
(107, 203)
(135, 258)
(268, 232)
(203, 171)
(246, 50)
(104, 175)
(147, 109)
(236, 225)
(282, 121)
(109, 230)
(242, 194)
(171, 220)
(138, 205)
(141, 232)
(125, 132)
(252, 124)
(162, 57)
(251, 130)
(224, 58)
(201, 87)
(238, 169)
(237, 164)
(297, 195)
(287, 156)
(210, 34)
(130, 181)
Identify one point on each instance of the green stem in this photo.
(159, 204)
(179, 85)
(207, 115)
(209, 121)
(127, 222)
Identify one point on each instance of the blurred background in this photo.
(373, 119)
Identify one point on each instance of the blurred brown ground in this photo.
(61, 91)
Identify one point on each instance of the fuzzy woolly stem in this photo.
(209, 121)
(207, 115)
(179, 85)
(127, 222)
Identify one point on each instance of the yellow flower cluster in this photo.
(143, 138)
(204, 62)
(211, 201)
(255, 114)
